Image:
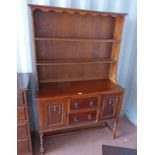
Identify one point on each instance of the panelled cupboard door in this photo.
(53, 114)
(109, 105)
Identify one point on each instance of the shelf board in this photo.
(67, 62)
(77, 39)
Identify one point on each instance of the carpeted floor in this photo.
(90, 142)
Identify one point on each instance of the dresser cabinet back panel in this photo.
(23, 147)
(54, 114)
(77, 118)
(109, 105)
(49, 24)
(84, 103)
(21, 117)
(52, 50)
(22, 131)
(73, 72)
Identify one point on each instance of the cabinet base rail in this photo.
(104, 124)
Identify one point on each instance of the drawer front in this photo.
(22, 131)
(20, 99)
(82, 117)
(84, 103)
(23, 147)
(21, 117)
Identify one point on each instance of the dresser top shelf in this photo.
(58, 62)
(76, 88)
(84, 50)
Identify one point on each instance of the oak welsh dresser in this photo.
(76, 55)
(24, 138)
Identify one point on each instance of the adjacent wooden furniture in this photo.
(76, 54)
(114, 150)
(24, 144)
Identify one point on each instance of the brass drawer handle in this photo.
(91, 103)
(65, 115)
(89, 117)
(75, 120)
(76, 105)
(110, 102)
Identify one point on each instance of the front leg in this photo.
(114, 129)
(41, 143)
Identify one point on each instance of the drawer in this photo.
(21, 114)
(83, 103)
(22, 131)
(23, 147)
(82, 117)
(20, 99)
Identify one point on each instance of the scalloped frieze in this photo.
(73, 11)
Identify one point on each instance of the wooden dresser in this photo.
(24, 146)
(76, 55)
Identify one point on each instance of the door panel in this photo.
(53, 114)
(108, 106)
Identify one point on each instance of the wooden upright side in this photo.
(116, 47)
(35, 52)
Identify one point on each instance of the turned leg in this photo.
(41, 143)
(114, 129)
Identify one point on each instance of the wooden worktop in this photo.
(76, 88)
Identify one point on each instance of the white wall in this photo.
(127, 66)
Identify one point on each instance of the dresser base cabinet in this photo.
(60, 110)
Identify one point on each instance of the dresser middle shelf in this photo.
(86, 61)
